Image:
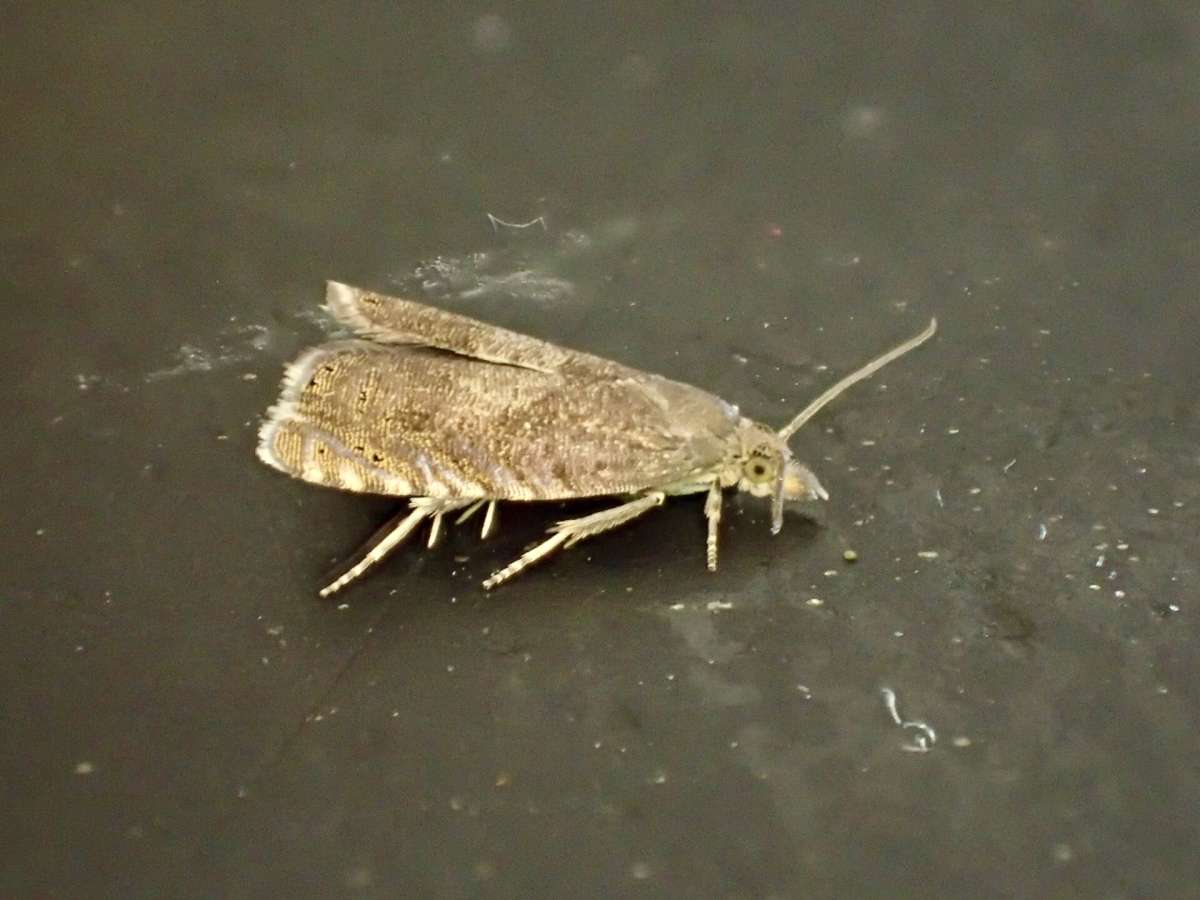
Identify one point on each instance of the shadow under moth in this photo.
(458, 415)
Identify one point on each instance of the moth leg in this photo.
(571, 531)
(385, 546)
(712, 509)
(437, 509)
(470, 511)
(435, 531)
(422, 508)
(489, 521)
(489, 517)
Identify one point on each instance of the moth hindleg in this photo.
(712, 510)
(571, 531)
(422, 508)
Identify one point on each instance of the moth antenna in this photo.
(854, 378)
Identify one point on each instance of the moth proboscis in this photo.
(458, 415)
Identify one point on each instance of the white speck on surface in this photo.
(640, 871)
(84, 768)
(1120, 595)
(961, 741)
(940, 502)
(952, 430)
(804, 691)
(1063, 853)
(677, 606)
(863, 122)
(1042, 531)
(927, 554)
(343, 606)
(1153, 510)
(815, 601)
(491, 33)
(715, 605)
(1008, 465)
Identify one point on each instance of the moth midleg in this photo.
(422, 508)
(526, 559)
(572, 531)
(712, 510)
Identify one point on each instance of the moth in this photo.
(458, 416)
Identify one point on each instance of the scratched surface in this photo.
(999, 698)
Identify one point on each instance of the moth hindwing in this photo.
(459, 415)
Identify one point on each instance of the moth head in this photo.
(764, 468)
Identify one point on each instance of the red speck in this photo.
(774, 231)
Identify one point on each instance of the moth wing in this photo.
(392, 320)
(414, 421)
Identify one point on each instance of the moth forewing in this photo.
(455, 414)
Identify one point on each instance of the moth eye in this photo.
(759, 470)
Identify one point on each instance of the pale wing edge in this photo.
(354, 474)
(297, 374)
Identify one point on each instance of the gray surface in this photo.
(735, 201)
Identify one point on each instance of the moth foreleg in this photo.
(571, 531)
(712, 509)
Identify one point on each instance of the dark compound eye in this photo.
(758, 470)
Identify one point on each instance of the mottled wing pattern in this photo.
(391, 320)
(416, 421)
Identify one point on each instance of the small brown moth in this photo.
(457, 415)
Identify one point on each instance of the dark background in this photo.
(753, 201)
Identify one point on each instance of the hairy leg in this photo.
(571, 531)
